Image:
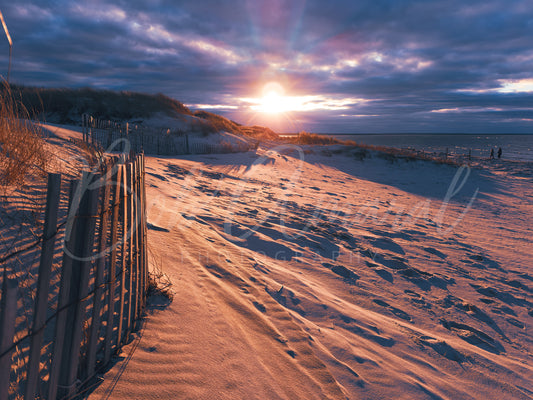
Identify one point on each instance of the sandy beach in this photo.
(266, 200)
(304, 272)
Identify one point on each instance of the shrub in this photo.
(312, 138)
(21, 146)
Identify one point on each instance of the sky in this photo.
(338, 66)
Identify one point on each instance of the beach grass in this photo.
(361, 151)
(21, 146)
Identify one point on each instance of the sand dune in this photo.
(300, 275)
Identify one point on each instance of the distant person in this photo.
(500, 152)
(491, 154)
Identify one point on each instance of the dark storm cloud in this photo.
(391, 65)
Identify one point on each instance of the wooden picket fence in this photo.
(99, 301)
(123, 137)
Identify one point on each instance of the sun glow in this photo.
(275, 108)
(273, 100)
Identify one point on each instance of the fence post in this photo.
(117, 177)
(124, 220)
(129, 212)
(140, 269)
(64, 293)
(110, 130)
(79, 280)
(43, 282)
(140, 238)
(144, 228)
(83, 126)
(99, 278)
(136, 258)
(8, 314)
(133, 244)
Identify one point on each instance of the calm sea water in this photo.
(514, 147)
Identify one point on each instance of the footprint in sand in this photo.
(436, 252)
(474, 336)
(425, 280)
(417, 299)
(367, 331)
(502, 295)
(259, 306)
(291, 353)
(388, 245)
(480, 315)
(516, 284)
(348, 275)
(156, 228)
(396, 311)
(382, 272)
(441, 347)
(483, 262)
(515, 322)
(160, 177)
(393, 262)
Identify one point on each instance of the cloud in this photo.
(299, 103)
(516, 85)
(420, 66)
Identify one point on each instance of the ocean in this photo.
(514, 147)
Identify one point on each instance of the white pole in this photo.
(10, 44)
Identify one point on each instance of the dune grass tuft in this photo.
(22, 150)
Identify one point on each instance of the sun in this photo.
(273, 100)
(276, 107)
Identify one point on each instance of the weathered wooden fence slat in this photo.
(123, 251)
(43, 282)
(136, 243)
(80, 281)
(8, 314)
(64, 294)
(99, 278)
(117, 176)
(129, 233)
(144, 287)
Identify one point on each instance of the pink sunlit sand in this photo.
(302, 272)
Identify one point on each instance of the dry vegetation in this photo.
(66, 106)
(219, 123)
(259, 132)
(312, 138)
(361, 151)
(21, 146)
